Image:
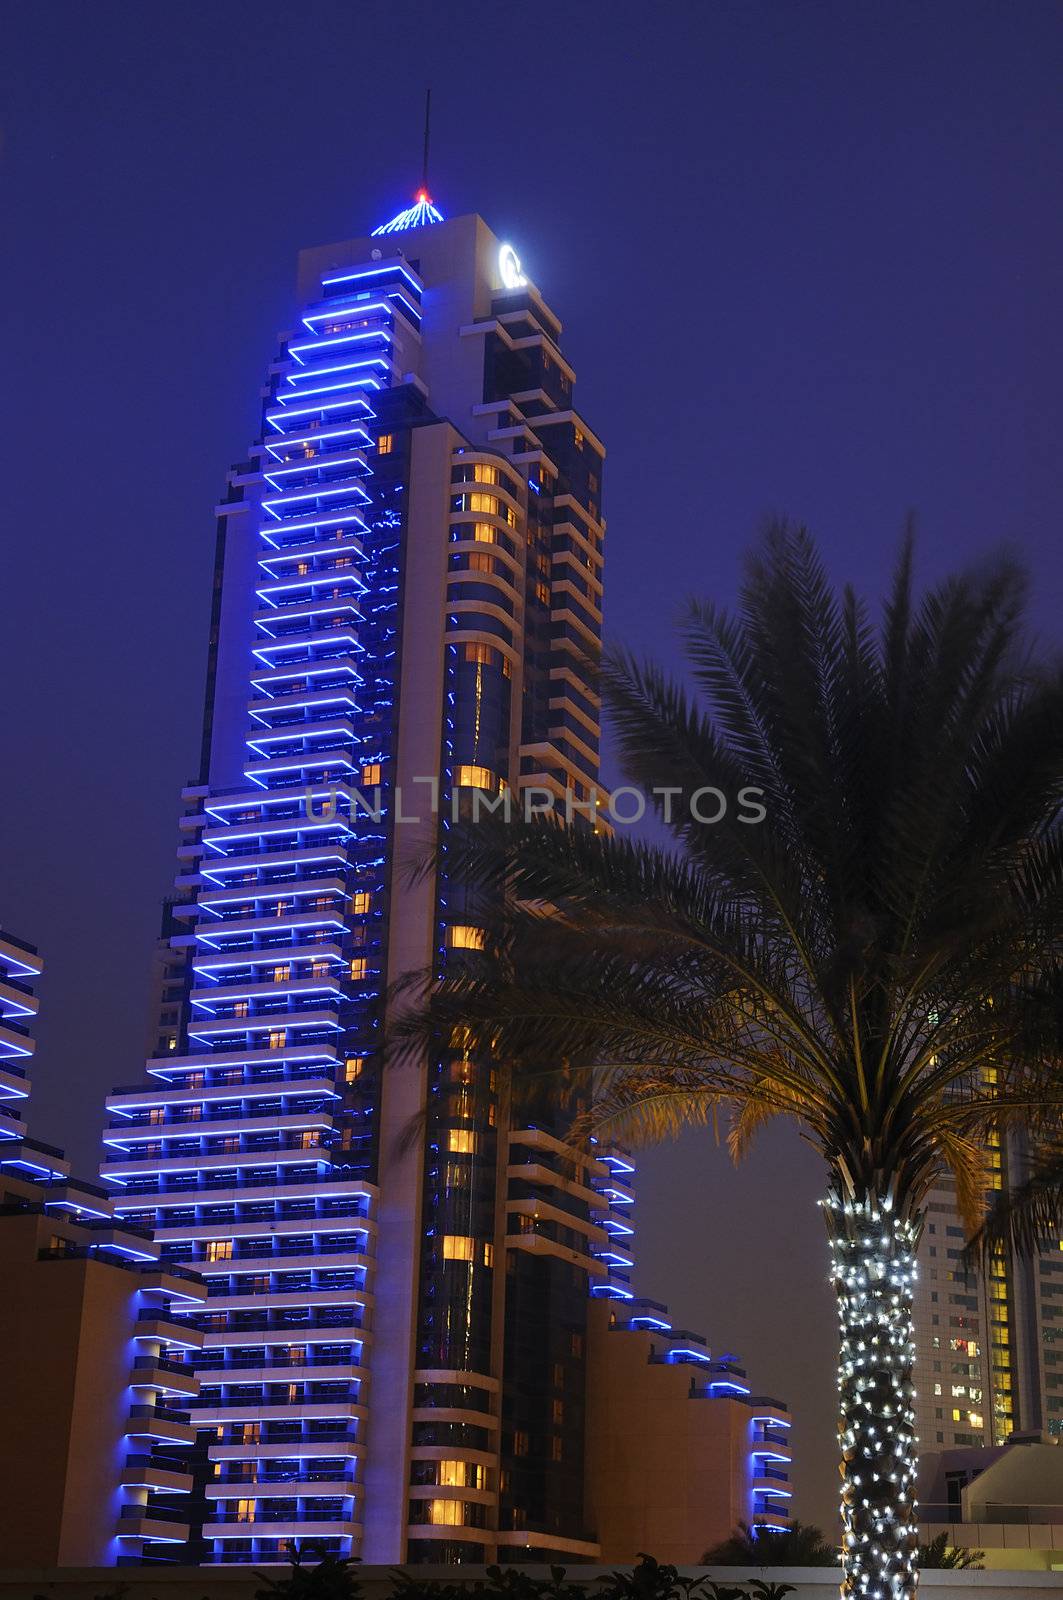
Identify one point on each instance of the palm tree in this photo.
(800, 1545)
(1030, 1215)
(876, 959)
(940, 1556)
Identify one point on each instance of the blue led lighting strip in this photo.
(287, 979)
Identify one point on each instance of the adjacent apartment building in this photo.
(989, 1341)
(88, 1338)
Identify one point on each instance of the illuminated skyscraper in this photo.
(407, 588)
(407, 610)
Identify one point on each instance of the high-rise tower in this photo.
(407, 606)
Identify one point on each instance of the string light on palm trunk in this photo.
(873, 1272)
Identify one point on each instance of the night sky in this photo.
(808, 258)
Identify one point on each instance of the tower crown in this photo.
(419, 215)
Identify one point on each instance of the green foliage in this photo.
(879, 958)
(331, 1578)
(801, 1545)
(650, 1580)
(940, 1556)
(498, 1583)
(855, 960)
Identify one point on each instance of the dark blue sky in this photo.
(809, 260)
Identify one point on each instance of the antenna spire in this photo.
(427, 125)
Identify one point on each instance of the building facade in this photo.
(394, 1357)
(96, 1416)
(989, 1338)
(407, 605)
(1004, 1501)
(680, 1449)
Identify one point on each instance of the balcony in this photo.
(140, 1522)
(282, 1485)
(152, 1325)
(143, 1472)
(298, 887)
(266, 1411)
(313, 1332)
(218, 1060)
(15, 1040)
(291, 1300)
(218, 1161)
(344, 1443)
(157, 1422)
(127, 1136)
(298, 672)
(236, 1029)
(282, 1526)
(167, 1377)
(137, 1098)
(297, 649)
(289, 1261)
(247, 1369)
(219, 934)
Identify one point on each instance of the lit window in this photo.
(461, 937)
(484, 474)
(475, 778)
(360, 903)
(577, 439)
(353, 1068)
(542, 594)
(452, 1474)
(385, 444)
(278, 1038)
(456, 1247)
(359, 967)
(446, 1513)
(241, 1008)
(489, 1255)
(219, 1249)
(245, 1511)
(484, 503)
(461, 1142)
(371, 774)
(483, 533)
(520, 1443)
(281, 974)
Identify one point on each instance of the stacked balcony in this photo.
(20, 967)
(247, 1150)
(613, 1214)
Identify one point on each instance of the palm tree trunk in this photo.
(873, 1270)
